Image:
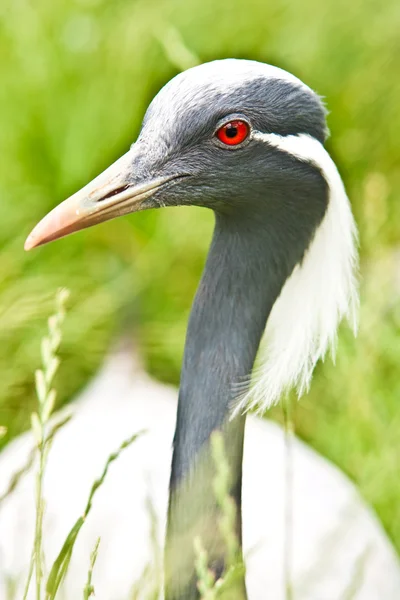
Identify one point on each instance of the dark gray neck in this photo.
(240, 284)
(254, 250)
(235, 295)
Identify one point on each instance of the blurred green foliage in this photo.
(76, 77)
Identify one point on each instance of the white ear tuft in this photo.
(320, 292)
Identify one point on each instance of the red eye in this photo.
(233, 133)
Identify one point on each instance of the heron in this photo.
(246, 140)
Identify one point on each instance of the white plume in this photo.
(321, 291)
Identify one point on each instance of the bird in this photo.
(245, 140)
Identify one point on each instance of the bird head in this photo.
(209, 138)
(246, 140)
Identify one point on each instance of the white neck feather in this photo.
(321, 291)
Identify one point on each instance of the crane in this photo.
(245, 140)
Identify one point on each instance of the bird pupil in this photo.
(231, 131)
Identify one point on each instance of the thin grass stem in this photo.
(46, 397)
(88, 590)
(61, 564)
(289, 500)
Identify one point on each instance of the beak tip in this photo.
(32, 241)
(29, 244)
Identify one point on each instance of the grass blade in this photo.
(61, 564)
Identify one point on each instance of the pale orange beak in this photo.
(109, 195)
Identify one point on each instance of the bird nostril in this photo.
(114, 192)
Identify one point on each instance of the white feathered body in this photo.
(337, 541)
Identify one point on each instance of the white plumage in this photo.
(321, 291)
(337, 540)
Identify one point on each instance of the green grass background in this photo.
(76, 77)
